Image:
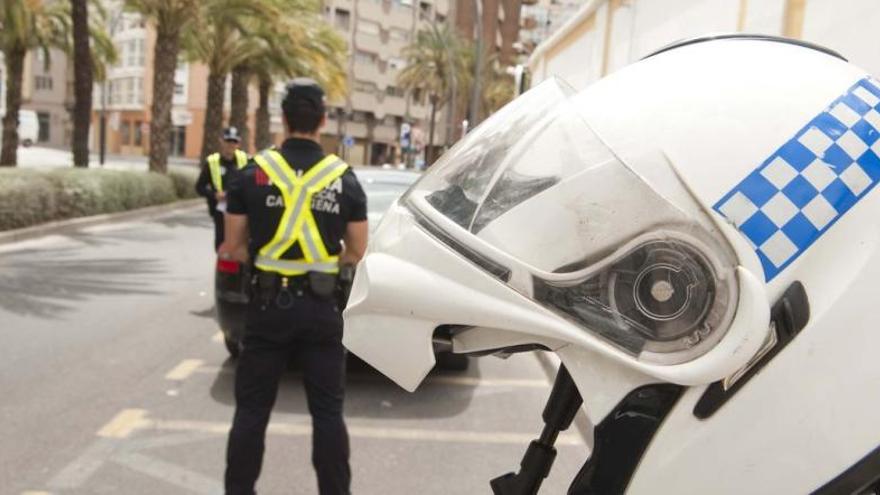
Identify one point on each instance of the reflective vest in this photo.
(214, 167)
(297, 223)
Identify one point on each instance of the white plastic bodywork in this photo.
(716, 110)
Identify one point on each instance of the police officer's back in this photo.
(296, 205)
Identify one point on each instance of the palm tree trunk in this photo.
(213, 127)
(164, 65)
(238, 112)
(429, 150)
(82, 78)
(14, 74)
(263, 137)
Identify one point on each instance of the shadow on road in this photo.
(46, 283)
(368, 393)
(194, 219)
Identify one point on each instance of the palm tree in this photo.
(170, 18)
(431, 60)
(83, 68)
(305, 46)
(92, 48)
(223, 38)
(25, 25)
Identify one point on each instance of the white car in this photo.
(28, 127)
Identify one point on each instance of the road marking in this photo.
(475, 381)
(170, 473)
(217, 337)
(124, 423)
(83, 467)
(183, 370)
(372, 432)
(32, 492)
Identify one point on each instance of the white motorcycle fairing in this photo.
(525, 232)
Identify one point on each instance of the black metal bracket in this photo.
(561, 408)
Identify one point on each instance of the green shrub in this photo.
(184, 181)
(29, 197)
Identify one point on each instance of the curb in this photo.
(74, 224)
(550, 363)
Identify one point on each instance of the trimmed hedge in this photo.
(29, 197)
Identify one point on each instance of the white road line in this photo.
(170, 473)
(361, 431)
(32, 492)
(124, 423)
(475, 381)
(183, 370)
(83, 467)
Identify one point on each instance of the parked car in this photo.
(383, 187)
(28, 127)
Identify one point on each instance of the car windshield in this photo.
(383, 188)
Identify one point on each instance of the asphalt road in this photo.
(113, 381)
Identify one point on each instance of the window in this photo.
(425, 10)
(130, 53)
(138, 90)
(129, 90)
(43, 121)
(343, 19)
(365, 57)
(125, 132)
(138, 134)
(140, 59)
(394, 91)
(368, 27)
(395, 63)
(43, 83)
(365, 87)
(398, 34)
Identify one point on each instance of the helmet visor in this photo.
(536, 198)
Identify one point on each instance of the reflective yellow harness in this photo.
(297, 223)
(214, 167)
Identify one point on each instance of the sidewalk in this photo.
(43, 157)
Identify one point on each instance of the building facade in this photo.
(365, 126)
(47, 90)
(606, 35)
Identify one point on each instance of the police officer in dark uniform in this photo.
(297, 206)
(215, 172)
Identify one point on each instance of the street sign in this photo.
(348, 141)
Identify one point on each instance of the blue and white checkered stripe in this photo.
(812, 180)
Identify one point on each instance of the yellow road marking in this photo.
(124, 423)
(184, 369)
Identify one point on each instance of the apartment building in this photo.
(47, 90)
(125, 98)
(370, 118)
(541, 18)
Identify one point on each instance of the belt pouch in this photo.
(322, 285)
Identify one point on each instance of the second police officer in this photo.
(215, 173)
(297, 215)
